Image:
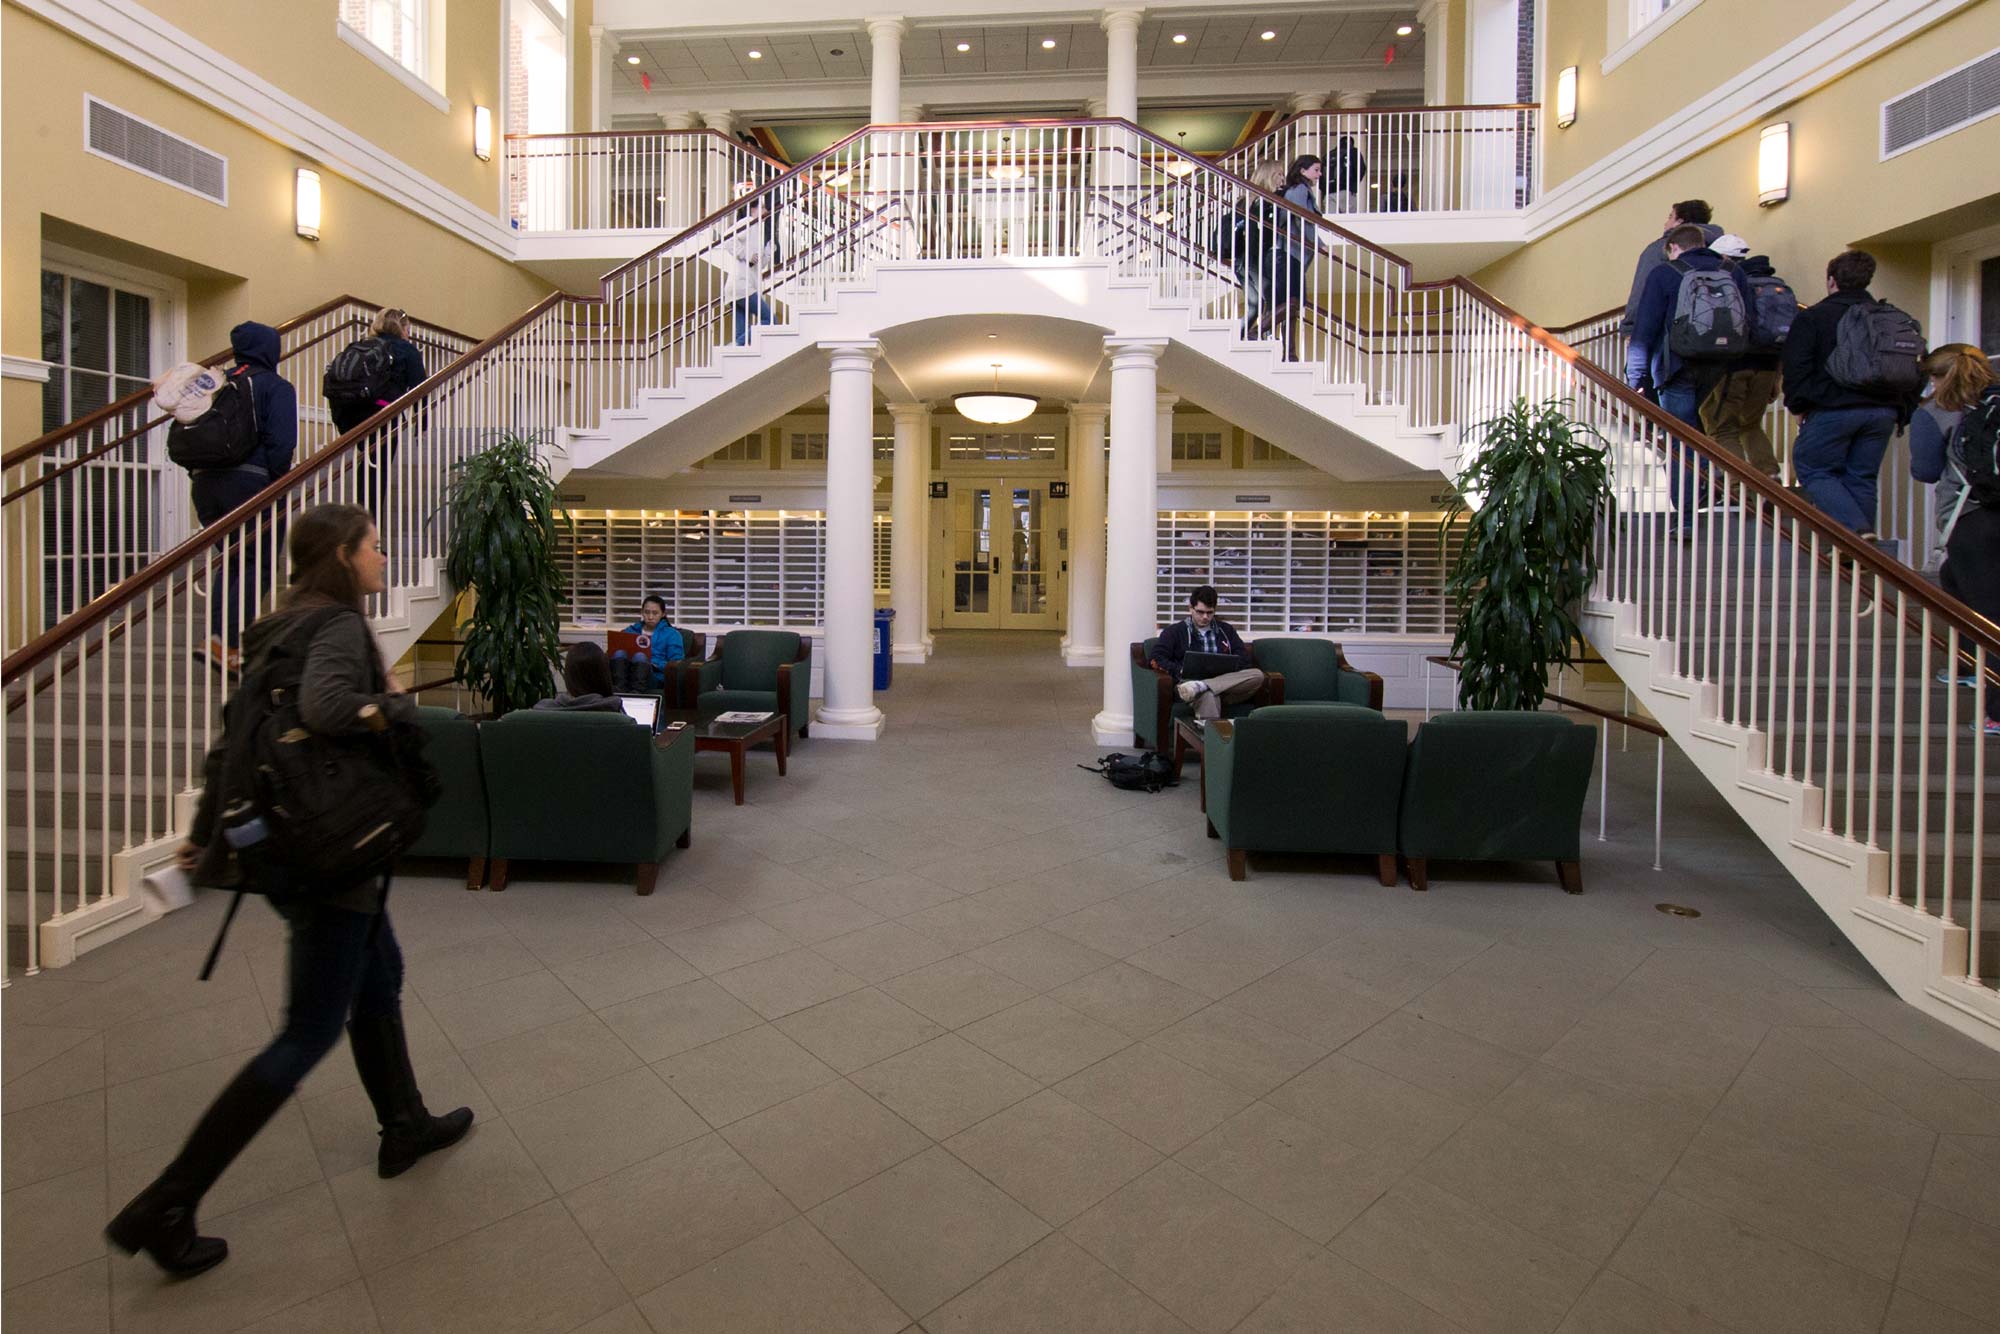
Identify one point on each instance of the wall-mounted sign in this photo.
(745, 500)
(940, 490)
(1058, 490)
(1253, 500)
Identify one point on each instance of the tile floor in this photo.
(941, 1033)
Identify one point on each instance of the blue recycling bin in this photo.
(884, 662)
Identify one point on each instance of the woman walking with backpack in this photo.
(343, 965)
(1960, 458)
(1292, 254)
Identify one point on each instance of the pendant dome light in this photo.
(993, 407)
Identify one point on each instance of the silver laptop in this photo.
(642, 709)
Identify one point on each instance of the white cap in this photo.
(1730, 246)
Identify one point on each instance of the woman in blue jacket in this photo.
(632, 673)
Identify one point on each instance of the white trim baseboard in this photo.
(126, 30)
(24, 368)
(413, 82)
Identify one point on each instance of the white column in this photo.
(1121, 70)
(1354, 101)
(1163, 435)
(721, 120)
(603, 50)
(885, 79)
(1096, 108)
(1086, 535)
(1434, 16)
(848, 709)
(911, 113)
(678, 120)
(1306, 135)
(909, 529)
(1131, 524)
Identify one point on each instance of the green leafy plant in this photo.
(1531, 495)
(503, 510)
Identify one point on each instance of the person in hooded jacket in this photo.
(1734, 410)
(217, 491)
(343, 965)
(587, 683)
(1689, 212)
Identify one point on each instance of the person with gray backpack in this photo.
(1852, 376)
(1733, 412)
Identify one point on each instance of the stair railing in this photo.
(1457, 159)
(628, 180)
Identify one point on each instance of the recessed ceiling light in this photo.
(1404, 30)
(1266, 35)
(1048, 43)
(1180, 38)
(756, 55)
(965, 46)
(836, 52)
(631, 60)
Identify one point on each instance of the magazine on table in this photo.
(741, 717)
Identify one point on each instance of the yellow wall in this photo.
(1841, 195)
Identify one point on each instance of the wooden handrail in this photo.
(1627, 719)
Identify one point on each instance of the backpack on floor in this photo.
(1135, 773)
(1877, 348)
(225, 436)
(1709, 322)
(1773, 307)
(362, 375)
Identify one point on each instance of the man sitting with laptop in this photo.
(1207, 658)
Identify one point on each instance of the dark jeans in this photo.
(749, 310)
(216, 493)
(1838, 456)
(340, 963)
(1681, 397)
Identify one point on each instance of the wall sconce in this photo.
(306, 204)
(482, 133)
(1774, 164)
(1566, 97)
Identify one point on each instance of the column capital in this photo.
(720, 119)
(903, 412)
(1088, 412)
(1132, 353)
(859, 355)
(1096, 108)
(1300, 103)
(1353, 101)
(678, 120)
(1429, 11)
(886, 26)
(1124, 18)
(911, 113)
(1165, 401)
(597, 31)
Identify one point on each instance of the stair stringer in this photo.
(1921, 957)
(1331, 426)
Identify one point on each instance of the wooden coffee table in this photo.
(733, 738)
(1190, 738)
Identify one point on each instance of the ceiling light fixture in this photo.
(1267, 35)
(1404, 30)
(1005, 171)
(1180, 39)
(1180, 166)
(964, 46)
(756, 55)
(631, 60)
(1048, 43)
(993, 407)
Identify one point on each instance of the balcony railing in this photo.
(626, 180)
(1471, 159)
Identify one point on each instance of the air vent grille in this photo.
(1947, 103)
(150, 150)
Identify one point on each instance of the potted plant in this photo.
(1537, 481)
(503, 510)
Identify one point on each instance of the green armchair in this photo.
(1315, 671)
(1497, 786)
(1155, 705)
(1306, 778)
(457, 825)
(625, 795)
(754, 671)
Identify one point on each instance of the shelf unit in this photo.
(1374, 572)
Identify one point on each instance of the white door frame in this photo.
(1955, 266)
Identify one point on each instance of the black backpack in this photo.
(363, 374)
(1135, 773)
(1975, 446)
(223, 437)
(1877, 348)
(1773, 307)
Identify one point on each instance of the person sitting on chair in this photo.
(587, 684)
(634, 673)
(1204, 632)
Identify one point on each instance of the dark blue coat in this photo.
(256, 346)
(1649, 350)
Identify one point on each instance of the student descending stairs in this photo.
(1792, 664)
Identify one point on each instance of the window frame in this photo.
(427, 83)
(1626, 22)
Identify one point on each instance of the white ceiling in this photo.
(934, 359)
(1331, 37)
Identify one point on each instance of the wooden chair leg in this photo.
(687, 837)
(496, 874)
(1571, 875)
(649, 873)
(1385, 868)
(1420, 873)
(1239, 863)
(475, 872)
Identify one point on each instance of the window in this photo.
(808, 446)
(1263, 451)
(1631, 24)
(404, 37)
(750, 449)
(885, 448)
(1197, 447)
(1001, 447)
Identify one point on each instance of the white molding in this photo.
(1631, 46)
(130, 33)
(1852, 37)
(416, 83)
(24, 368)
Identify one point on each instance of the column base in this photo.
(848, 724)
(917, 652)
(1083, 655)
(1112, 729)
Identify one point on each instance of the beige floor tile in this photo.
(1743, 1279)
(1327, 1293)
(625, 1319)
(824, 1142)
(1040, 960)
(1044, 1039)
(1052, 1155)
(719, 946)
(676, 907)
(678, 1019)
(821, 917)
(483, 1178)
(777, 986)
(1446, 1062)
(1965, 1177)
(1669, 1061)
(1134, 921)
(1619, 1128)
(1884, 1012)
(79, 1069)
(598, 1129)
(1953, 1261)
(345, 1310)
(1131, 1000)
(1197, 1250)
(880, 952)
(1616, 1305)
(900, 893)
(523, 1070)
(956, 992)
(1521, 1000)
(927, 1229)
(1053, 1287)
(1911, 1314)
(437, 973)
(1369, 1108)
(496, 1010)
(1301, 1175)
(282, 1252)
(1153, 1097)
(1300, 1000)
(658, 1219)
(1462, 1261)
(787, 1280)
(75, 1301)
(69, 1213)
(533, 1273)
(761, 884)
(858, 1029)
(1238, 1049)
(1218, 957)
(53, 1139)
(944, 1085)
(746, 1072)
(149, 1046)
(30, 1046)
(604, 980)
(1393, 963)
(964, 924)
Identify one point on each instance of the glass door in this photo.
(998, 574)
